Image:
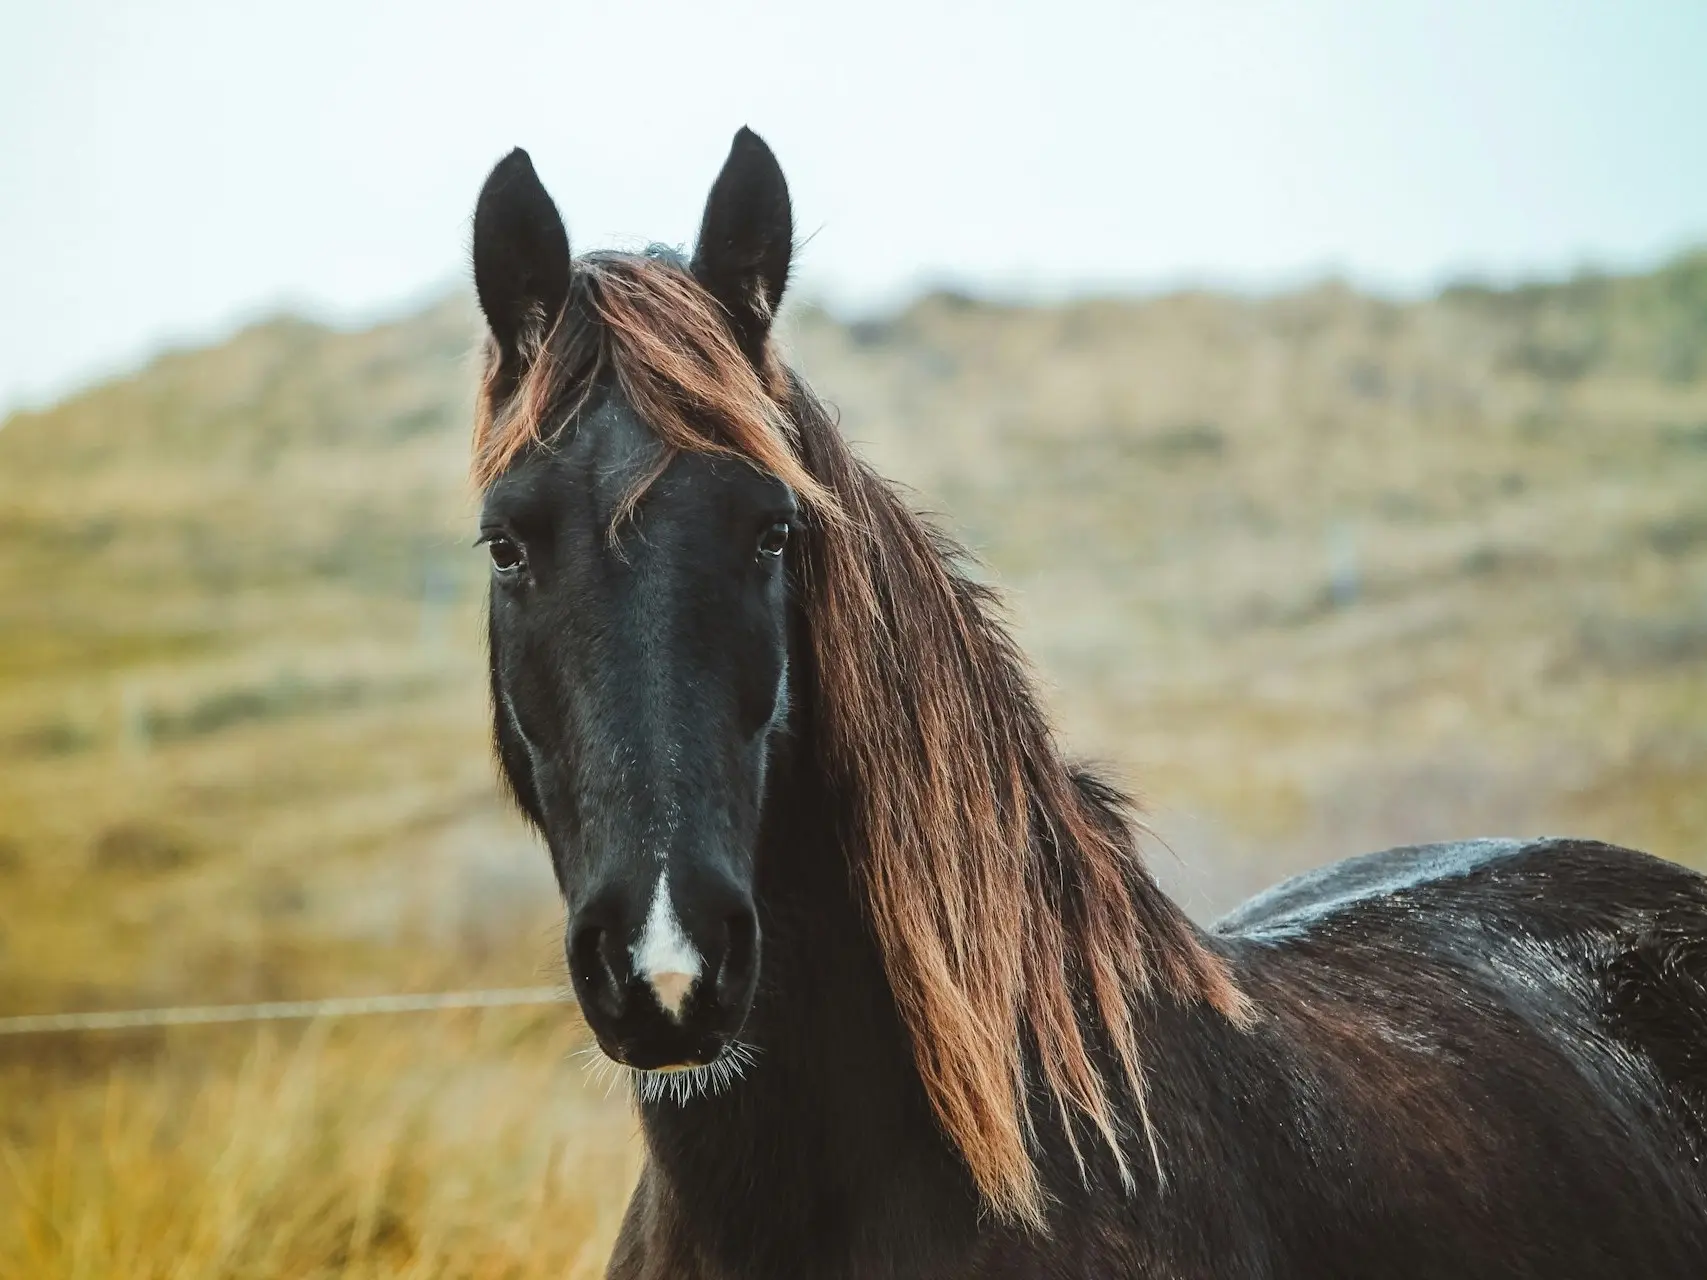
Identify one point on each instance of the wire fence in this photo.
(278, 1010)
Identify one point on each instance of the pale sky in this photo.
(171, 169)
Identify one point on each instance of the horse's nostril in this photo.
(593, 969)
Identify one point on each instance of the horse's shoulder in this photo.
(1573, 884)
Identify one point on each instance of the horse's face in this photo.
(639, 672)
(639, 661)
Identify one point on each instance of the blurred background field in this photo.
(1315, 572)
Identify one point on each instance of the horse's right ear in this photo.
(521, 257)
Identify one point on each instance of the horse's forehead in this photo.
(611, 438)
(604, 450)
(587, 464)
(594, 465)
(615, 447)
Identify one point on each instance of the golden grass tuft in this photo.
(456, 1147)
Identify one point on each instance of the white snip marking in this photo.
(664, 956)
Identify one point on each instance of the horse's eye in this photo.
(774, 539)
(506, 555)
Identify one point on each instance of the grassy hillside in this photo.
(1317, 573)
(1324, 572)
(239, 699)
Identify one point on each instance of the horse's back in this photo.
(1548, 886)
(1308, 901)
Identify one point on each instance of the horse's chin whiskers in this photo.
(679, 1085)
(602, 1071)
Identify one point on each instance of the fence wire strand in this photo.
(278, 1010)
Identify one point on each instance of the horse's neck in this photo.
(831, 1131)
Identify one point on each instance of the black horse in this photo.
(896, 993)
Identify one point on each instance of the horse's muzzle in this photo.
(665, 977)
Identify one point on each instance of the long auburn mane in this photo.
(1018, 927)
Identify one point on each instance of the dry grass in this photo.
(1319, 573)
(467, 1148)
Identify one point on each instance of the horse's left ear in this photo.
(746, 240)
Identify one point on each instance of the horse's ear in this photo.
(521, 256)
(746, 240)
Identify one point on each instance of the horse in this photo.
(895, 992)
